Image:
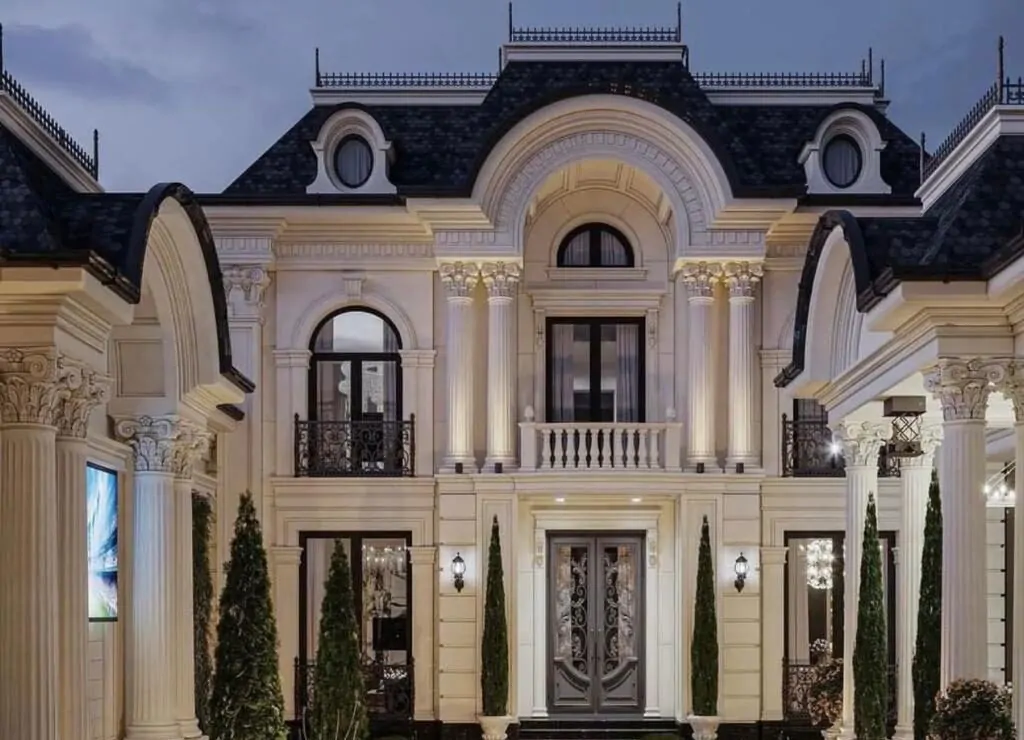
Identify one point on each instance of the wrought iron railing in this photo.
(48, 123)
(647, 35)
(809, 451)
(1002, 92)
(784, 79)
(797, 679)
(345, 449)
(410, 79)
(390, 691)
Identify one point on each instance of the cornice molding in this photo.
(354, 256)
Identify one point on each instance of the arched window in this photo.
(355, 422)
(595, 245)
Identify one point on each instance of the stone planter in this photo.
(704, 728)
(494, 728)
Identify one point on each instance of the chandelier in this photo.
(995, 490)
(819, 558)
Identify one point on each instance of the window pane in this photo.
(613, 251)
(380, 390)
(577, 251)
(570, 371)
(385, 631)
(334, 390)
(356, 331)
(319, 552)
(620, 370)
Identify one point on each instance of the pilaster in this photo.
(742, 279)
(963, 387)
(459, 280)
(502, 282)
(773, 625)
(284, 564)
(292, 367)
(700, 279)
(424, 562)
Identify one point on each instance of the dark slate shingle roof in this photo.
(439, 148)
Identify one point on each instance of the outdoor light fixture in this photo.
(458, 572)
(741, 567)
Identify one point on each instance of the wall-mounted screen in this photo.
(101, 497)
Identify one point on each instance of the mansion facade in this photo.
(597, 296)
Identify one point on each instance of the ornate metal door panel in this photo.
(595, 596)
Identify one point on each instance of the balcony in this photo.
(808, 451)
(355, 449)
(600, 446)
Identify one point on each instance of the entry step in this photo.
(597, 728)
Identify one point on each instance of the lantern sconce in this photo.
(741, 567)
(458, 572)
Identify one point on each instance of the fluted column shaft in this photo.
(915, 481)
(34, 619)
(501, 280)
(742, 279)
(963, 388)
(700, 280)
(860, 442)
(459, 280)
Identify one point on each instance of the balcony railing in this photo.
(600, 446)
(797, 679)
(808, 451)
(389, 694)
(346, 449)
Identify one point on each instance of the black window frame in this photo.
(839, 138)
(336, 160)
(355, 360)
(595, 230)
(595, 323)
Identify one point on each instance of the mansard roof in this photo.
(440, 148)
(45, 221)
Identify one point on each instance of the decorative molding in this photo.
(87, 390)
(1012, 388)
(930, 439)
(244, 249)
(417, 357)
(375, 255)
(700, 279)
(34, 384)
(539, 546)
(501, 279)
(858, 126)
(652, 547)
(652, 328)
(164, 444)
(742, 279)
(860, 441)
(352, 285)
(774, 555)
(247, 282)
(540, 327)
(292, 358)
(963, 386)
(459, 279)
(423, 555)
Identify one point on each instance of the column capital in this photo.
(774, 555)
(163, 444)
(423, 555)
(931, 438)
(417, 357)
(87, 389)
(292, 358)
(285, 555)
(700, 279)
(34, 384)
(459, 279)
(244, 288)
(963, 386)
(742, 278)
(501, 280)
(861, 440)
(1012, 387)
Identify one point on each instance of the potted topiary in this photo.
(704, 648)
(972, 710)
(494, 720)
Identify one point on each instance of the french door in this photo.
(595, 603)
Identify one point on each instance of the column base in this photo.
(508, 464)
(903, 732)
(703, 465)
(743, 463)
(468, 465)
(154, 732)
(190, 730)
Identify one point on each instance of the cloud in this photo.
(68, 57)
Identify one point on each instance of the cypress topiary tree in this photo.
(870, 669)
(339, 697)
(202, 605)
(926, 670)
(704, 649)
(247, 703)
(494, 666)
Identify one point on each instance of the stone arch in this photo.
(635, 132)
(847, 324)
(299, 335)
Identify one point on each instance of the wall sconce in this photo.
(458, 572)
(741, 569)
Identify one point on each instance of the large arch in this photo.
(298, 334)
(836, 246)
(635, 132)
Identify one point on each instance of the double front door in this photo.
(596, 640)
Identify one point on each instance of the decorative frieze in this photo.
(700, 279)
(860, 441)
(963, 386)
(459, 279)
(164, 444)
(501, 279)
(742, 278)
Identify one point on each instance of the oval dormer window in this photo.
(842, 161)
(353, 161)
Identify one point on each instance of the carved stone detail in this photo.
(1012, 388)
(33, 385)
(248, 281)
(164, 444)
(860, 441)
(652, 548)
(501, 279)
(459, 279)
(652, 328)
(87, 389)
(963, 386)
(539, 546)
(931, 438)
(700, 279)
(742, 279)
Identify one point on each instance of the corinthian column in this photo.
(501, 280)
(151, 711)
(742, 279)
(86, 390)
(963, 387)
(915, 480)
(1013, 389)
(860, 441)
(459, 280)
(700, 279)
(32, 387)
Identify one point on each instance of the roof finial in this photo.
(920, 158)
(1, 50)
(679, 21)
(871, 65)
(1001, 71)
(317, 65)
(881, 83)
(510, 21)
(96, 153)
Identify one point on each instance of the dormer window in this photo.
(842, 161)
(353, 161)
(595, 245)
